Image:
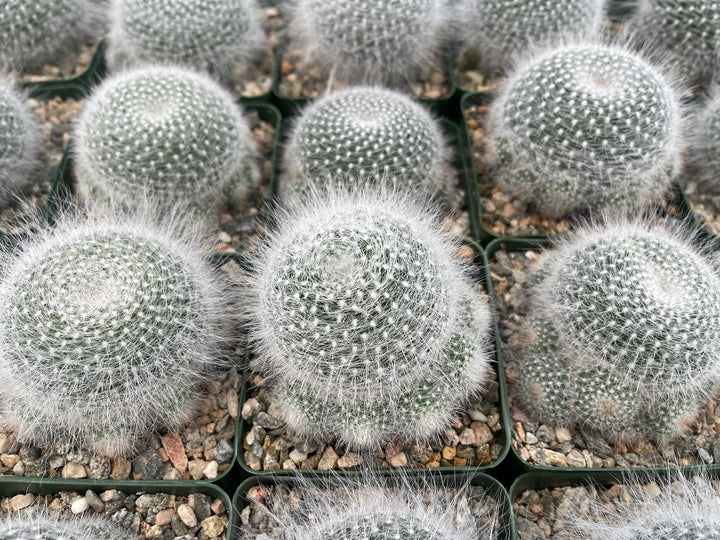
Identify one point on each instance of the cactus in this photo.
(683, 34)
(704, 143)
(685, 508)
(109, 326)
(370, 508)
(33, 32)
(19, 143)
(219, 36)
(382, 42)
(585, 127)
(500, 30)
(364, 133)
(364, 325)
(634, 317)
(168, 131)
(43, 527)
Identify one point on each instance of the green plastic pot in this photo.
(290, 106)
(507, 521)
(11, 486)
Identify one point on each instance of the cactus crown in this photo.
(585, 126)
(43, 527)
(108, 328)
(365, 133)
(170, 131)
(223, 36)
(37, 31)
(499, 30)
(372, 41)
(633, 314)
(19, 142)
(684, 34)
(363, 321)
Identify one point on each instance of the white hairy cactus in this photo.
(367, 133)
(683, 34)
(222, 36)
(363, 321)
(704, 143)
(167, 131)
(681, 509)
(634, 315)
(19, 143)
(372, 41)
(109, 326)
(500, 30)
(33, 32)
(43, 527)
(585, 127)
(372, 508)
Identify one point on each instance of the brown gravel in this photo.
(144, 515)
(468, 74)
(70, 66)
(705, 204)
(257, 79)
(551, 446)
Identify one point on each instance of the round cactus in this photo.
(704, 143)
(684, 34)
(363, 322)
(171, 132)
(223, 36)
(108, 329)
(33, 32)
(499, 30)
(635, 314)
(19, 143)
(372, 41)
(367, 133)
(22, 527)
(585, 127)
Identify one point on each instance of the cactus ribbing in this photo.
(108, 329)
(367, 133)
(19, 143)
(499, 30)
(364, 323)
(585, 127)
(635, 313)
(36, 31)
(173, 132)
(221, 36)
(683, 34)
(42, 527)
(372, 41)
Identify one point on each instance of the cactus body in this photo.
(108, 329)
(223, 36)
(19, 143)
(33, 32)
(168, 131)
(47, 528)
(684, 34)
(635, 312)
(499, 30)
(585, 127)
(364, 324)
(367, 133)
(372, 41)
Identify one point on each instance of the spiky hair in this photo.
(43, 527)
(703, 161)
(109, 326)
(363, 321)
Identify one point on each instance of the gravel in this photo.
(145, 515)
(552, 446)
(257, 79)
(71, 65)
(201, 450)
(705, 204)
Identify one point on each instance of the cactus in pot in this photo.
(363, 323)
(585, 127)
(167, 131)
(366, 133)
(109, 327)
(223, 36)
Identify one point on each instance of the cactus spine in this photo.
(21, 527)
(585, 127)
(363, 322)
(367, 133)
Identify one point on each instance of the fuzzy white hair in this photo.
(43, 527)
